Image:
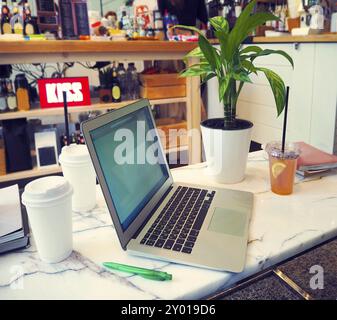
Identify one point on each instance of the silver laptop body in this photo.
(143, 199)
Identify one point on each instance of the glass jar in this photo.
(3, 96)
(11, 97)
(22, 92)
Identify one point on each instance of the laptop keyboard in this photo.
(178, 224)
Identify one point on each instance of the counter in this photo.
(312, 38)
(281, 227)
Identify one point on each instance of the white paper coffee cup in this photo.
(77, 168)
(48, 204)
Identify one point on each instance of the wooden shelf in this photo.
(38, 172)
(329, 37)
(39, 113)
(163, 124)
(14, 52)
(71, 46)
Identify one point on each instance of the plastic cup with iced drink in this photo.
(282, 166)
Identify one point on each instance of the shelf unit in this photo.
(25, 52)
(40, 113)
(37, 172)
(95, 106)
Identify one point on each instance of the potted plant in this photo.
(226, 140)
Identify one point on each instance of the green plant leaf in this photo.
(267, 52)
(192, 72)
(210, 53)
(277, 86)
(188, 28)
(241, 76)
(244, 25)
(248, 49)
(259, 19)
(239, 29)
(223, 39)
(195, 53)
(196, 70)
(219, 24)
(238, 35)
(209, 76)
(248, 66)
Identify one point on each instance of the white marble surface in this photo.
(281, 226)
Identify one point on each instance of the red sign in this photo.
(51, 92)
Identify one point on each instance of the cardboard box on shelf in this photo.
(161, 86)
(174, 132)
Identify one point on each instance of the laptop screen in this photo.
(131, 161)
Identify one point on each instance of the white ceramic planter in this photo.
(226, 151)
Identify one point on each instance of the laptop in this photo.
(154, 216)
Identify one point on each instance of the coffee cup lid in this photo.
(43, 191)
(74, 154)
(291, 150)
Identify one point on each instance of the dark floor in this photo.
(269, 288)
(322, 260)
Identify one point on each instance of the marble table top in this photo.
(281, 227)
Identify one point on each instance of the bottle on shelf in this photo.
(167, 24)
(16, 20)
(270, 10)
(115, 87)
(231, 17)
(133, 82)
(78, 133)
(277, 13)
(282, 21)
(22, 92)
(3, 96)
(73, 139)
(5, 26)
(29, 26)
(113, 68)
(64, 140)
(121, 75)
(82, 141)
(158, 25)
(11, 97)
(237, 8)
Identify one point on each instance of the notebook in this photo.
(313, 159)
(14, 229)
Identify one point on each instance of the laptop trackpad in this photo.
(228, 221)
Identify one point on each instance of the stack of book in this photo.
(14, 229)
(314, 162)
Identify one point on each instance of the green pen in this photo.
(145, 273)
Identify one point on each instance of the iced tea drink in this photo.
(282, 167)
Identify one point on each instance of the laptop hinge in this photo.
(152, 213)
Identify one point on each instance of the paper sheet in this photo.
(10, 210)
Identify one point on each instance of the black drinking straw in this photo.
(65, 106)
(285, 120)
